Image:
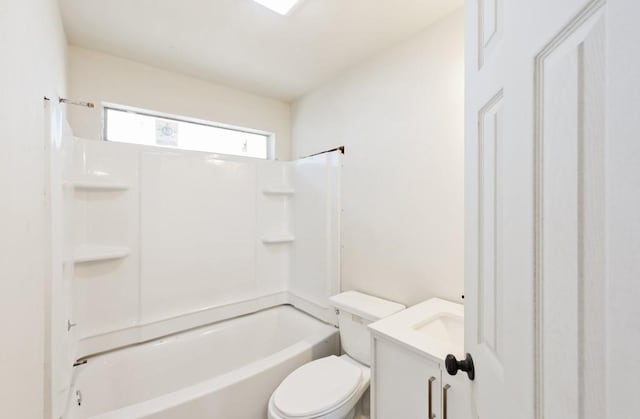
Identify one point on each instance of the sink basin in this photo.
(434, 327)
(446, 327)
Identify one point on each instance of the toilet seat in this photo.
(325, 388)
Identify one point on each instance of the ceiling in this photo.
(242, 44)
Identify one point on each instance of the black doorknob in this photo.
(453, 366)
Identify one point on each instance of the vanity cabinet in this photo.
(409, 384)
(457, 390)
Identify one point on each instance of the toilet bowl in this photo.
(327, 388)
(332, 387)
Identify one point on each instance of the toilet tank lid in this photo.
(365, 306)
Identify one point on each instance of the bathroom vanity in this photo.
(409, 379)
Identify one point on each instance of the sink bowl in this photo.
(434, 327)
(447, 328)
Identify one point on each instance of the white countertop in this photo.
(412, 328)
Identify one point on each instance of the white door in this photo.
(552, 207)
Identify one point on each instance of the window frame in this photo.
(270, 136)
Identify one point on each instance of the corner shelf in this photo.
(278, 239)
(279, 190)
(96, 185)
(95, 253)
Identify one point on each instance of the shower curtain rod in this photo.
(90, 105)
(340, 149)
(77, 103)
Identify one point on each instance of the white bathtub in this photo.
(225, 371)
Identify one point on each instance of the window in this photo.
(146, 128)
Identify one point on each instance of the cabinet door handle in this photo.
(431, 380)
(445, 391)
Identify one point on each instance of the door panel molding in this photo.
(569, 219)
(490, 225)
(489, 28)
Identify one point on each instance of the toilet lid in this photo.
(317, 387)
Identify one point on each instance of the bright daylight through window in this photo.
(127, 126)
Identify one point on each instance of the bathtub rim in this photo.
(85, 359)
(140, 334)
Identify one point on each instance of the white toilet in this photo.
(332, 387)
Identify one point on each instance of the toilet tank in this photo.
(355, 311)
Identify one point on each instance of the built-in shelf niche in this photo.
(279, 190)
(87, 253)
(278, 239)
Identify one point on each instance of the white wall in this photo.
(98, 77)
(33, 46)
(400, 116)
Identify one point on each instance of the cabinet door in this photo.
(401, 383)
(456, 397)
